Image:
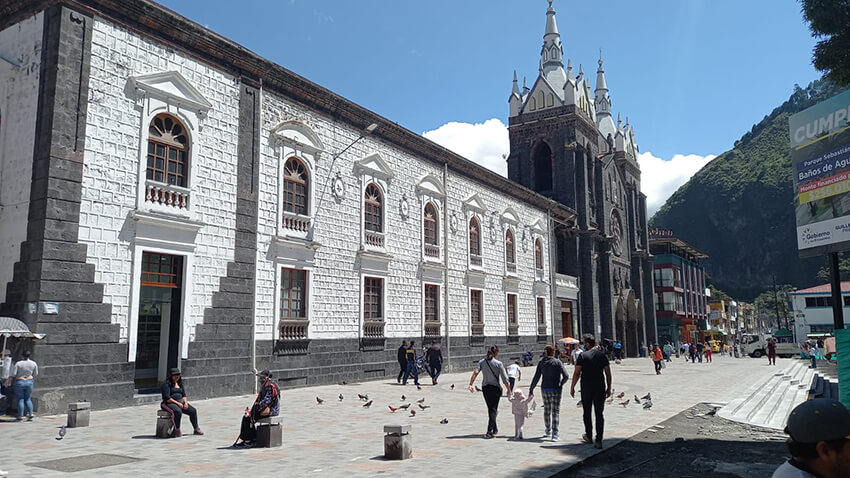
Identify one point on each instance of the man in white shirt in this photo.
(514, 373)
(576, 352)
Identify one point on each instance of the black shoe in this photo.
(488, 436)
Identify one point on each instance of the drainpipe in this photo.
(446, 263)
(256, 262)
(553, 287)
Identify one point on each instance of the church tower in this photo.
(565, 144)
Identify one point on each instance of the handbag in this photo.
(663, 364)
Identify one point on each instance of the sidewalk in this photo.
(345, 439)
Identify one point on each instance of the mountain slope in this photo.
(739, 207)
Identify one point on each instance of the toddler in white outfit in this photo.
(519, 407)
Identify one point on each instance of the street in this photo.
(342, 438)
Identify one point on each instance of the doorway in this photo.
(567, 319)
(159, 322)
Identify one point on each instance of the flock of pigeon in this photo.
(647, 400)
(406, 407)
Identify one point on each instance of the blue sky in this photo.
(691, 75)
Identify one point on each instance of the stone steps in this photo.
(768, 401)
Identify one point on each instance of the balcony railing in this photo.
(478, 329)
(295, 223)
(167, 195)
(432, 329)
(475, 260)
(374, 240)
(373, 329)
(293, 329)
(432, 251)
(511, 268)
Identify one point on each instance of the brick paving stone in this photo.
(345, 439)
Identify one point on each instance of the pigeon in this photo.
(319, 401)
(477, 389)
(647, 405)
(646, 397)
(422, 400)
(452, 387)
(636, 399)
(405, 406)
(365, 398)
(424, 407)
(621, 395)
(625, 404)
(340, 397)
(578, 404)
(413, 413)
(444, 421)
(368, 404)
(403, 398)
(392, 408)
(61, 433)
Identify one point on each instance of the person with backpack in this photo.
(412, 368)
(267, 404)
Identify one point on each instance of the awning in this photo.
(568, 340)
(11, 327)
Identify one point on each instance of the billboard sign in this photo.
(820, 157)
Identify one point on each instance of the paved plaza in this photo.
(342, 438)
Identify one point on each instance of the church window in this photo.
(510, 250)
(430, 224)
(550, 100)
(168, 151)
(293, 294)
(373, 209)
(295, 185)
(373, 288)
(543, 168)
(533, 104)
(540, 99)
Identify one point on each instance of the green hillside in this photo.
(739, 207)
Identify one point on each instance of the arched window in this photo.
(429, 224)
(533, 104)
(295, 184)
(550, 100)
(543, 168)
(540, 99)
(538, 254)
(168, 151)
(474, 242)
(373, 210)
(510, 247)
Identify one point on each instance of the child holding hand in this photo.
(519, 407)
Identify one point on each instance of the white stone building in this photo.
(192, 204)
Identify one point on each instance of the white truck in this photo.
(755, 345)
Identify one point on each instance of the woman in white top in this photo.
(24, 372)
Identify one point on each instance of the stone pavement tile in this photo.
(201, 467)
(345, 439)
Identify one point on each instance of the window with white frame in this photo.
(373, 215)
(475, 242)
(430, 231)
(373, 307)
(538, 254)
(293, 304)
(476, 311)
(512, 314)
(432, 303)
(167, 170)
(296, 185)
(541, 316)
(510, 251)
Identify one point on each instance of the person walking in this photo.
(411, 369)
(492, 372)
(23, 373)
(575, 353)
(657, 357)
(594, 390)
(668, 352)
(174, 402)
(618, 350)
(514, 373)
(699, 351)
(519, 407)
(692, 351)
(402, 360)
(771, 351)
(434, 357)
(708, 352)
(554, 375)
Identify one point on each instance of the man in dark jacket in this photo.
(590, 367)
(434, 357)
(402, 360)
(555, 375)
(267, 404)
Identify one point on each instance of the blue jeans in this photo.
(411, 370)
(23, 392)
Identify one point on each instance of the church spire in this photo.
(515, 90)
(552, 52)
(603, 101)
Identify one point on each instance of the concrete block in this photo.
(78, 414)
(269, 432)
(398, 442)
(164, 424)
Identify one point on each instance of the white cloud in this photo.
(485, 143)
(660, 178)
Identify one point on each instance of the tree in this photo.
(717, 294)
(843, 268)
(829, 21)
(771, 302)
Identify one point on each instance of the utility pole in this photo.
(776, 302)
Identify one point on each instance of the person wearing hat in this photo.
(267, 404)
(174, 401)
(819, 441)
